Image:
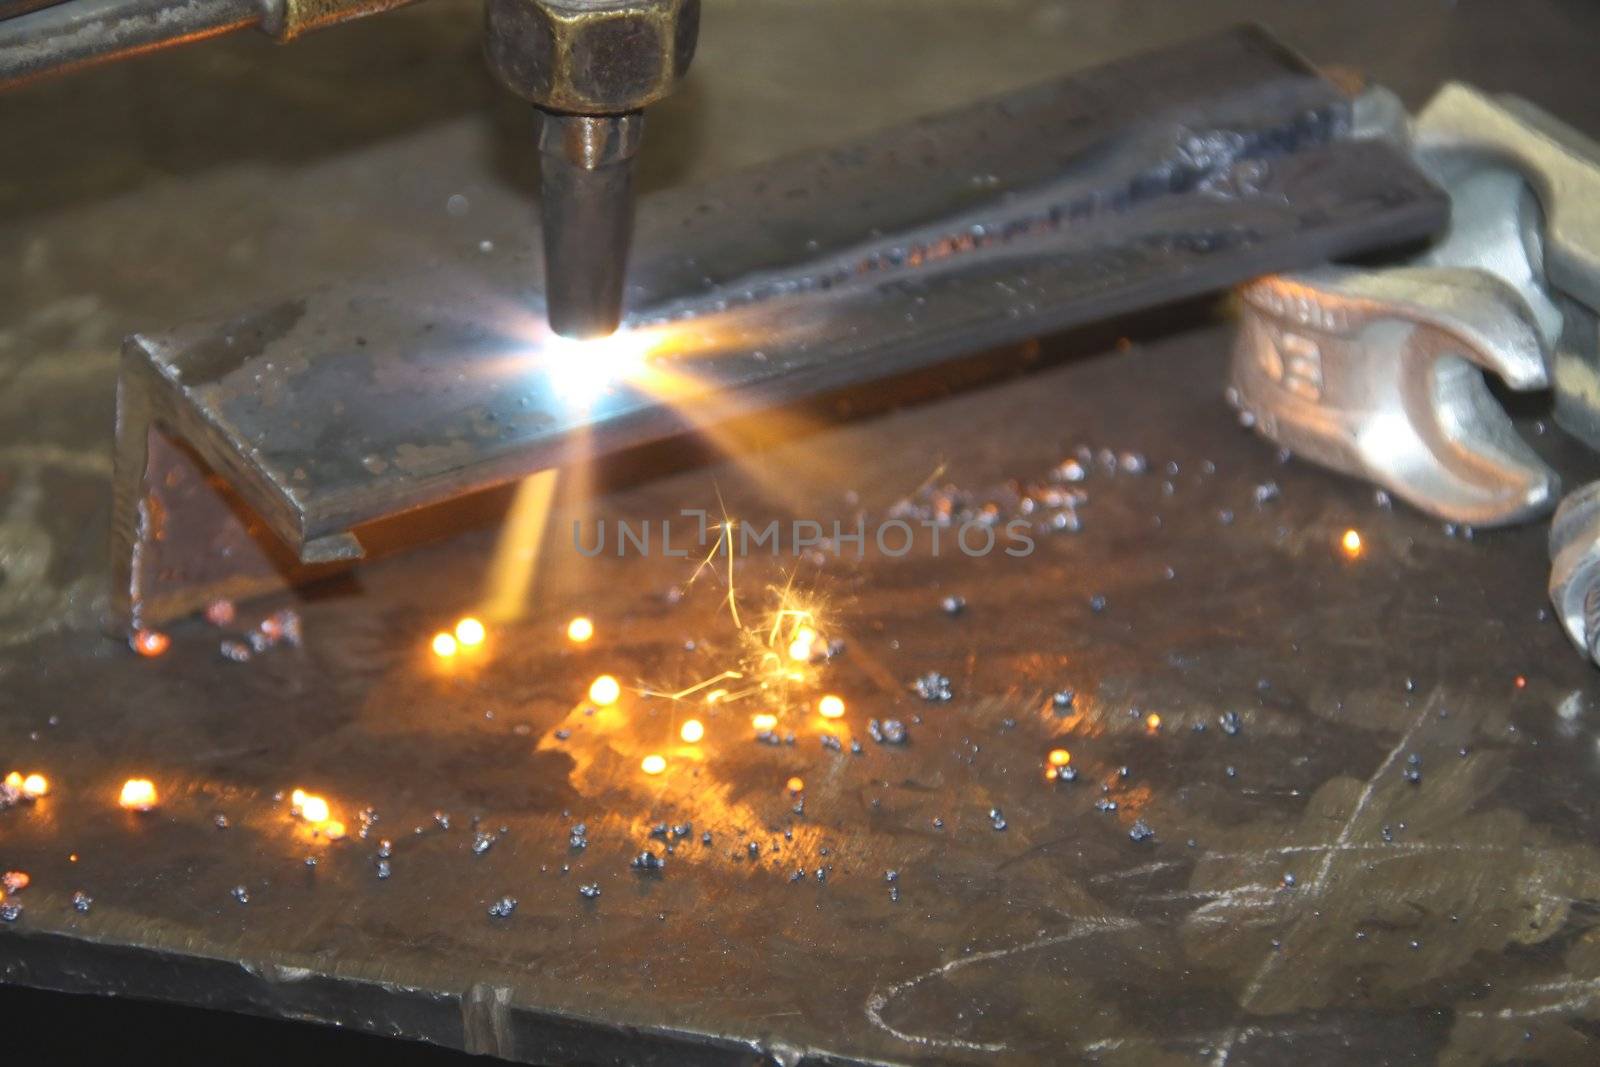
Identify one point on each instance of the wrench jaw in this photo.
(1377, 374)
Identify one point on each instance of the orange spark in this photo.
(1059, 757)
(830, 707)
(35, 786)
(1152, 722)
(605, 691)
(310, 807)
(14, 781)
(469, 632)
(692, 731)
(138, 794)
(580, 630)
(796, 784)
(150, 643)
(1351, 543)
(444, 645)
(653, 764)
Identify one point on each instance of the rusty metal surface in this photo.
(994, 938)
(1165, 175)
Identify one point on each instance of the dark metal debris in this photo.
(933, 687)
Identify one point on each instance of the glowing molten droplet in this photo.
(1351, 543)
(1521, 682)
(830, 707)
(469, 632)
(444, 645)
(312, 808)
(653, 764)
(796, 784)
(580, 630)
(14, 781)
(150, 642)
(692, 731)
(803, 647)
(605, 691)
(138, 794)
(333, 829)
(35, 786)
(1152, 722)
(1060, 757)
(765, 722)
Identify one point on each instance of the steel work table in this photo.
(1300, 897)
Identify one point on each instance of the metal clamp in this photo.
(1370, 372)
(1523, 248)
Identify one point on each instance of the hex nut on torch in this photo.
(591, 57)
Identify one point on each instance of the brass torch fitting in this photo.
(591, 57)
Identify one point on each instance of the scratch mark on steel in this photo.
(1583, 992)
(1341, 842)
(880, 999)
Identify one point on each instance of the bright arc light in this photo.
(35, 786)
(582, 371)
(469, 632)
(580, 630)
(692, 731)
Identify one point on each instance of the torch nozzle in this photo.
(587, 189)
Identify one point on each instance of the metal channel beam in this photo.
(1138, 183)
